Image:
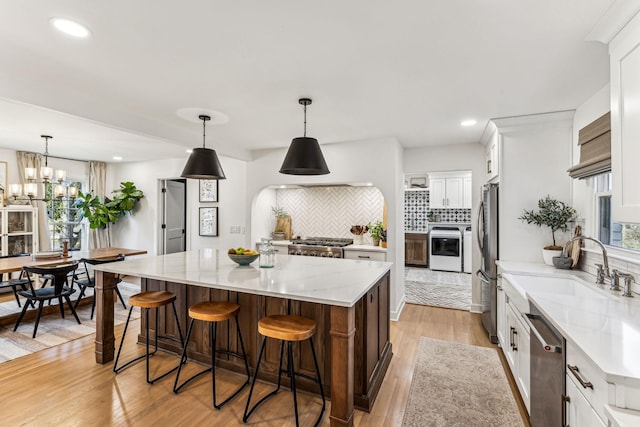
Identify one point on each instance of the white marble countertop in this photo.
(607, 329)
(340, 282)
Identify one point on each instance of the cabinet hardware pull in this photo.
(515, 337)
(488, 166)
(443, 204)
(511, 329)
(576, 373)
(364, 256)
(565, 400)
(371, 296)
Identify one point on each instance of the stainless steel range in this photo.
(319, 246)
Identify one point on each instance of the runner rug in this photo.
(54, 330)
(459, 385)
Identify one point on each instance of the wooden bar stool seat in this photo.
(146, 301)
(213, 312)
(287, 328)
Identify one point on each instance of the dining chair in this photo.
(89, 280)
(16, 283)
(59, 290)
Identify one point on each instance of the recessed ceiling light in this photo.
(117, 158)
(69, 27)
(283, 186)
(469, 122)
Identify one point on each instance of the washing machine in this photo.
(445, 249)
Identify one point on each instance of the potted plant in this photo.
(375, 230)
(101, 214)
(383, 238)
(554, 214)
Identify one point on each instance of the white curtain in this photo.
(97, 185)
(32, 160)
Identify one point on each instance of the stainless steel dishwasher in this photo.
(547, 374)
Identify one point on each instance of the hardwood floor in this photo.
(64, 386)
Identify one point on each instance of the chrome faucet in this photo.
(628, 279)
(603, 269)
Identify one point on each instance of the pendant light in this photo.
(203, 162)
(304, 156)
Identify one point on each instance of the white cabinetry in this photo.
(579, 413)
(590, 385)
(364, 254)
(450, 191)
(624, 51)
(501, 315)
(280, 248)
(18, 231)
(493, 157)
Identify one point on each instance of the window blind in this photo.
(595, 149)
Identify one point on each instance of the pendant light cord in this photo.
(305, 120)
(204, 132)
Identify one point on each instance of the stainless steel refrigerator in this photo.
(487, 238)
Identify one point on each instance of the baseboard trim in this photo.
(395, 314)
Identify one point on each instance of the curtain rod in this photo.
(58, 157)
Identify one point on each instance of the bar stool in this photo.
(148, 300)
(287, 328)
(213, 312)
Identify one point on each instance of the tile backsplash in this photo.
(416, 210)
(330, 211)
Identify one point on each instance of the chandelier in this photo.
(30, 188)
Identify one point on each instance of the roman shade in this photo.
(595, 149)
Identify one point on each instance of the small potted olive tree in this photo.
(554, 214)
(375, 230)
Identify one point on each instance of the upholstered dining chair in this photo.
(59, 290)
(87, 279)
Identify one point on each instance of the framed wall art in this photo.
(209, 222)
(208, 190)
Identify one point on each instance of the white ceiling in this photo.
(410, 69)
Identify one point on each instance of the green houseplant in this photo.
(101, 214)
(375, 230)
(554, 214)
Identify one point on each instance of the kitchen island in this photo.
(348, 299)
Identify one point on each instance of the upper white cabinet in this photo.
(450, 190)
(624, 49)
(491, 141)
(18, 231)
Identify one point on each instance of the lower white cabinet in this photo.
(279, 248)
(517, 352)
(365, 255)
(578, 410)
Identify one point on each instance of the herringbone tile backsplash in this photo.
(330, 211)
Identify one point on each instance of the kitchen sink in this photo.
(553, 285)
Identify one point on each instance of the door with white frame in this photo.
(174, 212)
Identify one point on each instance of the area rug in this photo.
(459, 385)
(54, 330)
(438, 288)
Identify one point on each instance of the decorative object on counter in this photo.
(102, 214)
(203, 162)
(65, 248)
(383, 238)
(358, 232)
(418, 182)
(562, 262)
(304, 156)
(574, 247)
(209, 222)
(282, 230)
(208, 190)
(61, 190)
(267, 253)
(554, 214)
(375, 231)
(242, 256)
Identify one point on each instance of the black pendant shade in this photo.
(304, 156)
(203, 162)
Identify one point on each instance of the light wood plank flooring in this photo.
(64, 386)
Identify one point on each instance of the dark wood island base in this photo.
(352, 343)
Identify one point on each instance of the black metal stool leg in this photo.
(126, 325)
(183, 360)
(293, 380)
(247, 411)
(315, 362)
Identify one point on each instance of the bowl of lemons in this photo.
(243, 256)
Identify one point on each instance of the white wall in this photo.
(536, 153)
(448, 158)
(376, 161)
(141, 230)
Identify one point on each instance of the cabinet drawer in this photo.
(365, 255)
(595, 389)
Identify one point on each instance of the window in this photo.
(611, 233)
(62, 220)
